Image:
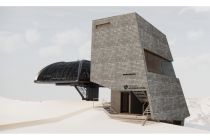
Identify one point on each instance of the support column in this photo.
(129, 102)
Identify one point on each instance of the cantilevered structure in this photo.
(132, 58)
(76, 73)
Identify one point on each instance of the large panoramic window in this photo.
(157, 64)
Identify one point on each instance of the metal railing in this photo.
(94, 99)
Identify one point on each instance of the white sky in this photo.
(34, 37)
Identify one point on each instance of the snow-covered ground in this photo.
(199, 113)
(80, 117)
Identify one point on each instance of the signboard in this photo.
(133, 87)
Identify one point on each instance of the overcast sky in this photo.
(34, 37)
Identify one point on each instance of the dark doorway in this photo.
(133, 103)
(136, 105)
(124, 102)
(177, 122)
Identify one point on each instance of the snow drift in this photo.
(82, 117)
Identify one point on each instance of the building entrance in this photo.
(133, 103)
(125, 102)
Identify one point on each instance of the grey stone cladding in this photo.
(116, 51)
(117, 60)
(166, 98)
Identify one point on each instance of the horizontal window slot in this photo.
(129, 74)
(102, 25)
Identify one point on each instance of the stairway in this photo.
(141, 96)
(111, 110)
(146, 113)
(108, 108)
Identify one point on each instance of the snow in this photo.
(81, 117)
(12, 111)
(199, 113)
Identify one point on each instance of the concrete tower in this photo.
(132, 58)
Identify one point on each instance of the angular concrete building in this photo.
(132, 58)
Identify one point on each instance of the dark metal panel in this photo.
(124, 102)
(65, 71)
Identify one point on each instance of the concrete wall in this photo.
(152, 39)
(166, 98)
(116, 100)
(165, 93)
(116, 51)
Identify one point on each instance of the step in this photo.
(142, 99)
(140, 94)
(128, 116)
